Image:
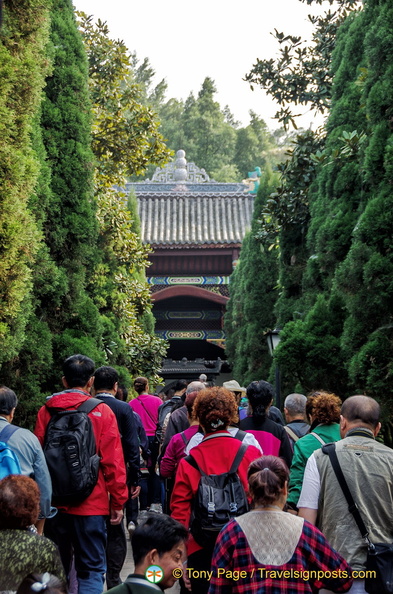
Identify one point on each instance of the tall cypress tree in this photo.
(63, 319)
(351, 225)
(71, 228)
(310, 350)
(23, 66)
(338, 195)
(365, 277)
(253, 291)
(234, 324)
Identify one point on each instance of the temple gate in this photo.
(195, 227)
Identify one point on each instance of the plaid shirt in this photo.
(313, 553)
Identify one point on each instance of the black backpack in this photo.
(70, 452)
(219, 498)
(164, 410)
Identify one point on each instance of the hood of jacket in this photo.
(67, 399)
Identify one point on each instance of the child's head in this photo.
(46, 583)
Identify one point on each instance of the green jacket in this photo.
(136, 584)
(302, 450)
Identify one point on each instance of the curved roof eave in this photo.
(189, 291)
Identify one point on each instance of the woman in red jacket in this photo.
(216, 409)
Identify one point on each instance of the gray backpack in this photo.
(219, 498)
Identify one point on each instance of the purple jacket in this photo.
(176, 451)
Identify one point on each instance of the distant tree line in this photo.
(209, 134)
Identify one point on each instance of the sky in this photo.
(185, 42)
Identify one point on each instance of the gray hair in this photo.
(296, 404)
(195, 387)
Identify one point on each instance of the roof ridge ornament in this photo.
(181, 172)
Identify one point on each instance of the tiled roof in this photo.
(205, 187)
(181, 219)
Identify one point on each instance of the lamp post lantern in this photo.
(273, 339)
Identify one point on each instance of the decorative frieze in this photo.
(212, 314)
(191, 334)
(187, 280)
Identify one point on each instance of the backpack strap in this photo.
(214, 435)
(293, 435)
(238, 458)
(89, 405)
(318, 438)
(6, 433)
(147, 410)
(235, 464)
(86, 407)
(330, 450)
(184, 438)
(240, 435)
(191, 460)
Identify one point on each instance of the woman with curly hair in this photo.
(216, 410)
(323, 411)
(23, 552)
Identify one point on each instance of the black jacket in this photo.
(128, 433)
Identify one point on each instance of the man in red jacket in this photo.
(79, 529)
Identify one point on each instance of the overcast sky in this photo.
(185, 42)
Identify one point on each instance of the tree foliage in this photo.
(342, 339)
(209, 134)
(365, 276)
(23, 36)
(253, 291)
(125, 140)
(302, 74)
(336, 199)
(125, 132)
(63, 317)
(89, 292)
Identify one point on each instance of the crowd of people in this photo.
(210, 484)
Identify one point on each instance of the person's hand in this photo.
(134, 491)
(116, 516)
(186, 579)
(40, 526)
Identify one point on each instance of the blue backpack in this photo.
(9, 463)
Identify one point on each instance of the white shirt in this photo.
(249, 439)
(311, 488)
